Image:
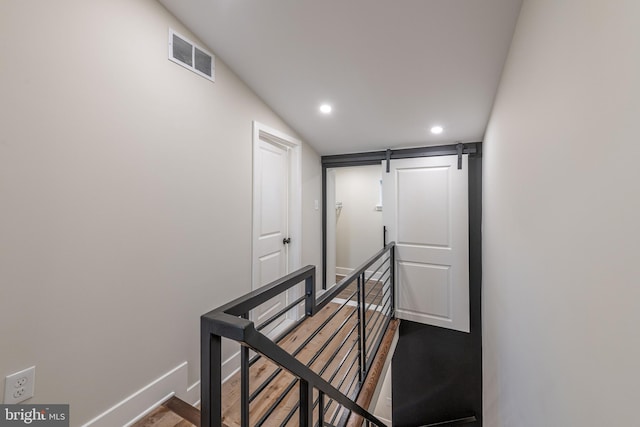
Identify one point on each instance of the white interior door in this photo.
(426, 214)
(271, 225)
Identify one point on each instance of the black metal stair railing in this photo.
(353, 318)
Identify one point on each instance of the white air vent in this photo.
(184, 52)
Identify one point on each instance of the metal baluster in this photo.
(392, 275)
(244, 383)
(363, 363)
(358, 307)
(211, 368)
(321, 409)
(306, 404)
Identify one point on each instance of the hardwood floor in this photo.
(332, 353)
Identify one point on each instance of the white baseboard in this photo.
(377, 394)
(349, 303)
(144, 400)
(230, 366)
(385, 421)
(352, 303)
(344, 271)
(192, 396)
(148, 398)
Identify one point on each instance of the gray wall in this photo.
(359, 224)
(561, 230)
(125, 182)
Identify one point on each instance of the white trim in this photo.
(352, 303)
(385, 367)
(275, 136)
(192, 396)
(143, 401)
(385, 421)
(344, 271)
(230, 366)
(148, 398)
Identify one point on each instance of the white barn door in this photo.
(426, 213)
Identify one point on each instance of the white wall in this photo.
(561, 233)
(358, 225)
(125, 182)
(312, 217)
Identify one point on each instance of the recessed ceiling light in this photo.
(437, 130)
(325, 108)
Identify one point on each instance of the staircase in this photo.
(323, 369)
(319, 371)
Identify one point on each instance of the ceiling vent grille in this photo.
(186, 53)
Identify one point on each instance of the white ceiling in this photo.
(390, 68)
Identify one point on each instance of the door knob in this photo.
(286, 240)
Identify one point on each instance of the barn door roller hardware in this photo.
(376, 157)
(459, 149)
(388, 160)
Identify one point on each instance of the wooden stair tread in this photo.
(174, 412)
(183, 409)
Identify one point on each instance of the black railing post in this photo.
(310, 294)
(211, 373)
(363, 304)
(358, 309)
(306, 404)
(392, 281)
(244, 383)
(320, 409)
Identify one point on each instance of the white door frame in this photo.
(294, 251)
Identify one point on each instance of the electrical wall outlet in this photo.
(20, 386)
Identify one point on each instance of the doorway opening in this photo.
(424, 349)
(354, 218)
